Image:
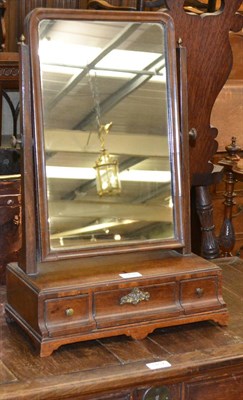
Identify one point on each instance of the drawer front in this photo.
(9, 200)
(135, 304)
(230, 388)
(196, 294)
(68, 315)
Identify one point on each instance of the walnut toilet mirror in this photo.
(106, 249)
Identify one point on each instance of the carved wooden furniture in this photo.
(207, 61)
(227, 234)
(9, 77)
(142, 5)
(238, 175)
(229, 104)
(233, 175)
(135, 5)
(104, 5)
(104, 264)
(2, 25)
(16, 11)
(206, 361)
(10, 238)
(10, 235)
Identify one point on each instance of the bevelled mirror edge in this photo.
(178, 242)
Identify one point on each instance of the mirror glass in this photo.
(107, 132)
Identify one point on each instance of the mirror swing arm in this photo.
(83, 281)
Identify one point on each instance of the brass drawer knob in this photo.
(16, 220)
(69, 312)
(135, 297)
(199, 292)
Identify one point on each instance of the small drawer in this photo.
(198, 294)
(68, 315)
(10, 215)
(9, 201)
(136, 304)
(227, 387)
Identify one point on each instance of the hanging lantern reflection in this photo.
(107, 170)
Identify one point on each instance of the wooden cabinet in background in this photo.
(10, 230)
(17, 10)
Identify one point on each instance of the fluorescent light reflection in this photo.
(114, 64)
(92, 228)
(130, 175)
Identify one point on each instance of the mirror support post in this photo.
(27, 258)
(181, 54)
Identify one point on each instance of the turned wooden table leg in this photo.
(209, 243)
(140, 5)
(227, 233)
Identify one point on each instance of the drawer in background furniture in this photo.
(230, 387)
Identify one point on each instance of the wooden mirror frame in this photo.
(36, 244)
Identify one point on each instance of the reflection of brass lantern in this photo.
(107, 172)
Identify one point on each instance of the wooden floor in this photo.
(79, 371)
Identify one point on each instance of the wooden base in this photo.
(98, 297)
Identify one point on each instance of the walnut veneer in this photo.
(57, 308)
(64, 297)
(206, 360)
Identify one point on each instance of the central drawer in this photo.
(136, 304)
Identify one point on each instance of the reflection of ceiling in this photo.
(97, 86)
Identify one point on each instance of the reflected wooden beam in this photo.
(163, 188)
(101, 212)
(47, 28)
(97, 210)
(119, 143)
(123, 35)
(112, 100)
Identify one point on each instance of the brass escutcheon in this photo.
(135, 297)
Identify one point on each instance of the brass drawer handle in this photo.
(135, 297)
(199, 292)
(69, 312)
(16, 220)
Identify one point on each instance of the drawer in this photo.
(198, 294)
(217, 389)
(136, 304)
(68, 315)
(10, 215)
(9, 200)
